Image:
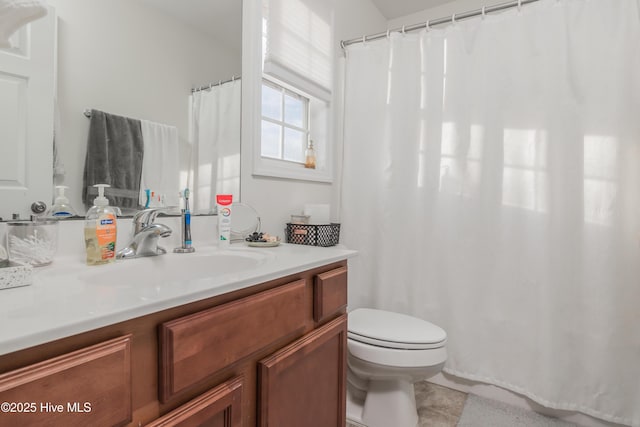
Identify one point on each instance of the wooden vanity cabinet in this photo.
(272, 354)
(197, 346)
(329, 294)
(92, 383)
(304, 384)
(219, 407)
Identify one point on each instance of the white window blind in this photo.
(299, 44)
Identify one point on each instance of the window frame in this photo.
(320, 132)
(282, 123)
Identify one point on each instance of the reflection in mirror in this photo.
(215, 167)
(26, 115)
(138, 59)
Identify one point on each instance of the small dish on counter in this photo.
(263, 244)
(262, 240)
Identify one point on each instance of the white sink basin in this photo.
(175, 268)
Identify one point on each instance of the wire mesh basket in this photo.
(313, 235)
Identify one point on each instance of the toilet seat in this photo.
(382, 328)
(396, 358)
(395, 345)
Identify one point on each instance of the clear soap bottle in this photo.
(61, 207)
(100, 230)
(310, 156)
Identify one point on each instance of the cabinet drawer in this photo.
(219, 407)
(329, 294)
(197, 346)
(91, 386)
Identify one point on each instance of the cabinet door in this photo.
(88, 387)
(304, 383)
(219, 407)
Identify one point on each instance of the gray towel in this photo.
(114, 157)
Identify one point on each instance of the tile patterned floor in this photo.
(437, 406)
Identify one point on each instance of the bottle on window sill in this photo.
(310, 156)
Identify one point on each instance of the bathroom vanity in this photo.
(241, 338)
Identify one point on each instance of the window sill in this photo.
(279, 169)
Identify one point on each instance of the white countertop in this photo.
(68, 297)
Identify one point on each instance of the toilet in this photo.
(388, 352)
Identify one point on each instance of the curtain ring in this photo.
(484, 12)
(364, 39)
(427, 25)
(388, 35)
(519, 5)
(453, 18)
(403, 32)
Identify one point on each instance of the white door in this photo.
(26, 118)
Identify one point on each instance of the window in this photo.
(289, 119)
(297, 69)
(285, 123)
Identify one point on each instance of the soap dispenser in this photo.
(100, 230)
(310, 156)
(61, 207)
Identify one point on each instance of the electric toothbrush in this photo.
(186, 227)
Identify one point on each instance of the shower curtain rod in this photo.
(87, 112)
(210, 85)
(445, 20)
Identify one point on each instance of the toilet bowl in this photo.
(388, 352)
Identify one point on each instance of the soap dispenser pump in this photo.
(61, 207)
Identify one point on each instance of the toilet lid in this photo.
(393, 330)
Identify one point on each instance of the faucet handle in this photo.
(145, 217)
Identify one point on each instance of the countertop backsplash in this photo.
(71, 234)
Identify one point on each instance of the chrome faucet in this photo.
(145, 236)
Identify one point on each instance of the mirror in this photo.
(139, 59)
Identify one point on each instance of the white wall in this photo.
(276, 199)
(353, 19)
(124, 58)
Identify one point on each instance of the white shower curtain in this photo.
(492, 186)
(215, 138)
